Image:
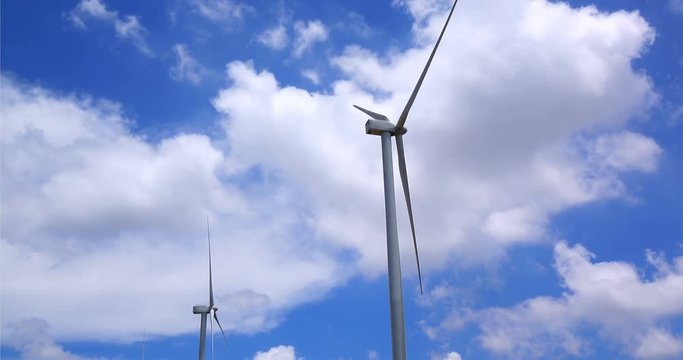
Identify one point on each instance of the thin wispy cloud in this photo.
(275, 38)
(186, 68)
(127, 27)
(676, 6)
(307, 34)
(311, 75)
(221, 10)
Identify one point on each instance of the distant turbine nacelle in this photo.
(377, 127)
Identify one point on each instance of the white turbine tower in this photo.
(204, 310)
(380, 125)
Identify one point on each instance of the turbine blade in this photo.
(406, 110)
(406, 191)
(215, 316)
(372, 114)
(208, 233)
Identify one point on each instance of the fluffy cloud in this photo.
(610, 298)
(511, 80)
(187, 68)
(509, 131)
(307, 34)
(281, 352)
(127, 27)
(31, 337)
(104, 224)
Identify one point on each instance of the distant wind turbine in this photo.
(380, 125)
(204, 310)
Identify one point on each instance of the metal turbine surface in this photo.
(380, 125)
(205, 310)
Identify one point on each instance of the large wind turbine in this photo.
(204, 310)
(380, 125)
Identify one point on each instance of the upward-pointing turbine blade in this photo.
(406, 110)
(372, 114)
(208, 234)
(215, 316)
(406, 191)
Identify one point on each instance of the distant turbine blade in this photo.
(406, 110)
(406, 191)
(215, 316)
(372, 114)
(208, 233)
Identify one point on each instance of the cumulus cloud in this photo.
(557, 125)
(104, 223)
(610, 297)
(187, 68)
(281, 352)
(307, 34)
(507, 127)
(127, 27)
(275, 38)
(32, 338)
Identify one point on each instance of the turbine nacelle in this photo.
(201, 309)
(377, 127)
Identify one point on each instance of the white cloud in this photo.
(307, 34)
(187, 68)
(659, 344)
(513, 86)
(281, 352)
(221, 10)
(609, 296)
(275, 38)
(627, 151)
(311, 75)
(676, 6)
(516, 224)
(494, 129)
(373, 355)
(32, 339)
(449, 356)
(127, 27)
(99, 215)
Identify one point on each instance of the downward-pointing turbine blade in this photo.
(406, 110)
(372, 114)
(406, 191)
(215, 316)
(208, 234)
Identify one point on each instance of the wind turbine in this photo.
(381, 126)
(204, 310)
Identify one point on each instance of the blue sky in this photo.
(544, 154)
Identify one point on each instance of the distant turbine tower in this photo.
(205, 310)
(380, 125)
